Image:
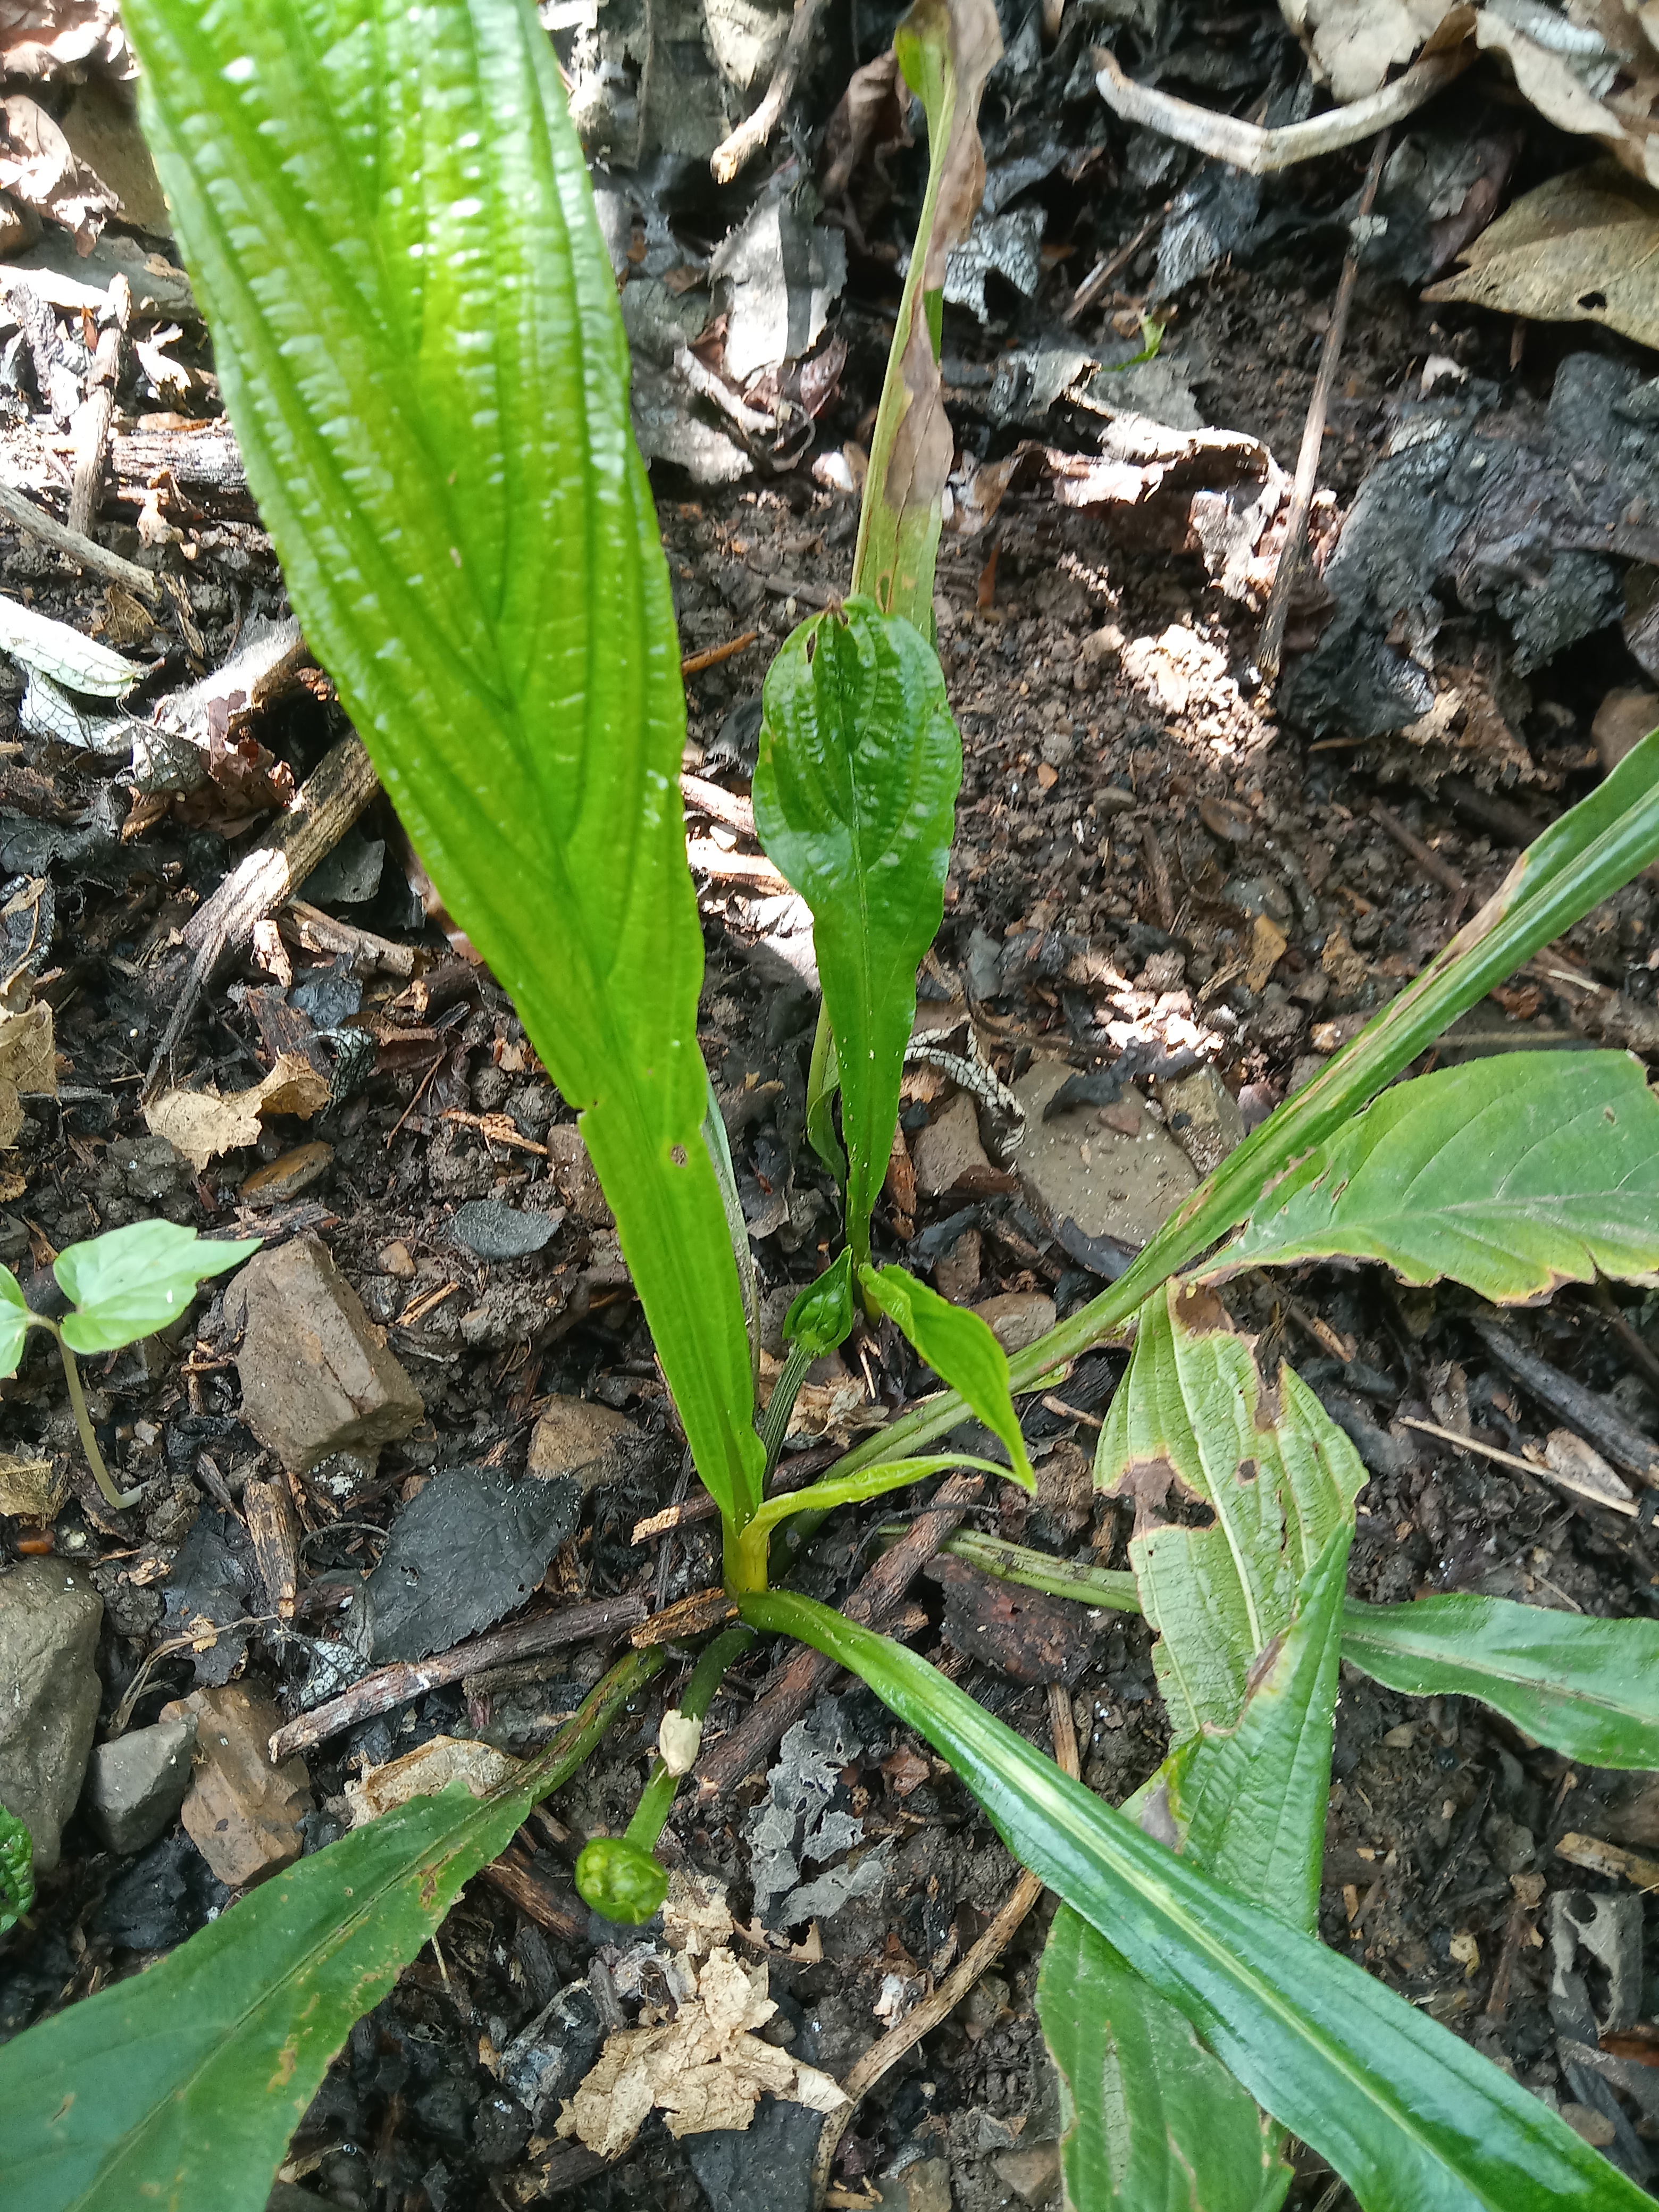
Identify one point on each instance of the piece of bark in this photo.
(1629, 1448)
(271, 1526)
(873, 1603)
(399, 1684)
(520, 1875)
(91, 432)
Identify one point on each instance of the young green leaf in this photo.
(1511, 1174)
(1581, 860)
(821, 1318)
(957, 1345)
(823, 1082)
(131, 1282)
(855, 800)
(1585, 1687)
(389, 224)
(1412, 2119)
(946, 48)
(13, 1322)
(1281, 1477)
(16, 1870)
(1247, 1804)
(182, 2085)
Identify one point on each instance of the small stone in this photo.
(572, 1171)
(1164, 971)
(316, 1376)
(1596, 2128)
(1096, 655)
(1017, 1318)
(136, 1785)
(287, 1177)
(1032, 2172)
(1108, 1184)
(576, 1436)
(149, 1165)
(243, 1814)
(32, 1489)
(491, 1230)
(1116, 799)
(50, 1616)
(924, 2186)
(1058, 750)
(1622, 720)
(947, 1154)
(396, 1260)
(1203, 1117)
(955, 1272)
(1303, 1069)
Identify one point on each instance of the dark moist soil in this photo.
(1078, 772)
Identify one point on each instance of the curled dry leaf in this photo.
(38, 166)
(203, 1124)
(704, 2068)
(1584, 247)
(424, 1772)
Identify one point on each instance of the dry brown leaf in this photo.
(424, 1772)
(28, 1061)
(704, 2068)
(38, 166)
(203, 1124)
(1584, 247)
(40, 38)
(1268, 946)
(695, 1916)
(1355, 44)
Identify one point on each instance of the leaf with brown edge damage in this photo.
(946, 48)
(1277, 1473)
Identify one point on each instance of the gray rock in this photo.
(136, 1784)
(546, 2060)
(1205, 1118)
(50, 1616)
(1017, 1318)
(316, 1376)
(492, 1230)
(948, 1154)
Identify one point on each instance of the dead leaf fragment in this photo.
(203, 1124)
(28, 1063)
(424, 1772)
(704, 2068)
(1584, 247)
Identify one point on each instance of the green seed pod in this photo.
(620, 1880)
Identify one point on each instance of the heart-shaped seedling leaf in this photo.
(133, 1281)
(13, 1322)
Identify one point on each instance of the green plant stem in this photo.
(821, 1498)
(657, 1798)
(1040, 1570)
(774, 1421)
(1594, 849)
(101, 1473)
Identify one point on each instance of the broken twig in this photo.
(752, 133)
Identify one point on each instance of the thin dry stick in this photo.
(1247, 146)
(86, 552)
(881, 2057)
(1103, 272)
(1307, 461)
(1427, 859)
(1627, 1505)
(750, 135)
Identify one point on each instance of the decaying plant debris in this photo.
(1173, 893)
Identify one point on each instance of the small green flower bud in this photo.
(619, 1879)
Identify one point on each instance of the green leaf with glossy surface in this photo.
(1414, 2120)
(958, 1345)
(855, 800)
(1194, 1413)
(387, 219)
(1587, 1687)
(16, 1870)
(131, 1282)
(13, 1322)
(179, 2087)
(1247, 1804)
(1512, 1174)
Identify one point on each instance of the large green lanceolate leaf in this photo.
(387, 216)
(1412, 2119)
(131, 1282)
(179, 2087)
(1512, 1174)
(855, 800)
(946, 48)
(1587, 1687)
(958, 1344)
(1597, 846)
(1155, 2118)
(1194, 1413)
(1150, 2120)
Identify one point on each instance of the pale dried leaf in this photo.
(422, 1772)
(54, 650)
(39, 167)
(1355, 44)
(43, 37)
(704, 2068)
(1583, 1468)
(695, 1916)
(1584, 247)
(203, 1124)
